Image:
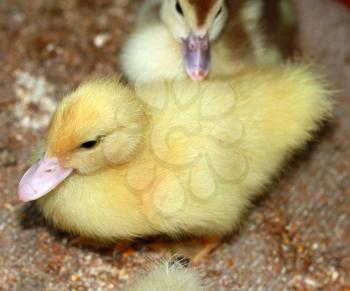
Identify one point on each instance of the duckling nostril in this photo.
(192, 46)
(50, 170)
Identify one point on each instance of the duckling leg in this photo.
(210, 244)
(125, 249)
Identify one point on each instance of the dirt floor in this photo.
(296, 238)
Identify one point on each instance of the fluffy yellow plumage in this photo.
(171, 276)
(176, 157)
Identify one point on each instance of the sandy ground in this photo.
(295, 238)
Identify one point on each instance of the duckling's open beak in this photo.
(41, 178)
(197, 56)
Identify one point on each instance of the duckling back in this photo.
(216, 144)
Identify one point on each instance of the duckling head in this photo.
(99, 125)
(196, 23)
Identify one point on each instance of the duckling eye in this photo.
(219, 12)
(89, 144)
(179, 8)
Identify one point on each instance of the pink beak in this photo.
(197, 56)
(41, 178)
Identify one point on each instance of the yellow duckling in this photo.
(171, 158)
(175, 37)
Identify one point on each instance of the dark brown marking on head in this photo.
(277, 32)
(202, 8)
(236, 38)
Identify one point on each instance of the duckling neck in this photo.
(96, 206)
